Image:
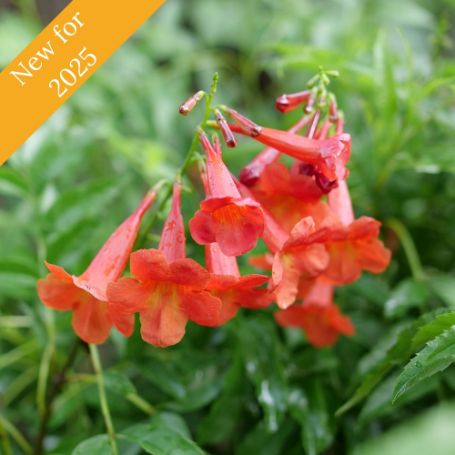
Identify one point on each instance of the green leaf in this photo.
(17, 279)
(311, 410)
(432, 329)
(431, 433)
(444, 287)
(162, 436)
(408, 294)
(11, 183)
(173, 373)
(96, 445)
(225, 414)
(261, 441)
(399, 351)
(435, 357)
(118, 383)
(262, 352)
(82, 202)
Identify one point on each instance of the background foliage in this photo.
(248, 387)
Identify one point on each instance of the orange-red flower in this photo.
(233, 290)
(252, 172)
(328, 155)
(339, 248)
(167, 289)
(225, 217)
(86, 295)
(290, 196)
(289, 102)
(318, 316)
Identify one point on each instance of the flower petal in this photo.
(149, 265)
(111, 259)
(188, 272)
(59, 294)
(123, 322)
(285, 280)
(238, 227)
(201, 228)
(128, 295)
(91, 321)
(202, 308)
(163, 322)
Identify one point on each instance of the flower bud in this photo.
(287, 103)
(186, 107)
(228, 136)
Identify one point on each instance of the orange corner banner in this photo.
(59, 60)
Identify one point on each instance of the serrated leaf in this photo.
(432, 329)
(397, 353)
(435, 357)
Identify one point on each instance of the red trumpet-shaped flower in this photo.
(318, 316)
(290, 265)
(339, 249)
(290, 196)
(328, 155)
(233, 290)
(252, 172)
(167, 289)
(86, 295)
(353, 245)
(225, 217)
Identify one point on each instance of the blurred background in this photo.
(249, 386)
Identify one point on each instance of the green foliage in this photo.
(248, 387)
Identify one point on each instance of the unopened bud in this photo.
(228, 136)
(287, 103)
(244, 123)
(186, 107)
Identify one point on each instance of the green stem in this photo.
(5, 440)
(208, 109)
(103, 398)
(409, 248)
(188, 158)
(16, 435)
(57, 384)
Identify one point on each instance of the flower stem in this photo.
(208, 109)
(188, 158)
(103, 399)
(409, 248)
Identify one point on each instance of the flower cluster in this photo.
(302, 212)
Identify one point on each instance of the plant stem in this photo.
(8, 427)
(102, 395)
(5, 440)
(208, 109)
(60, 379)
(188, 157)
(409, 248)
